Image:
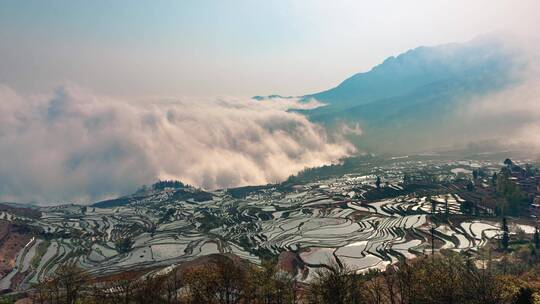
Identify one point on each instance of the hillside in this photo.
(376, 213)
(409, 102)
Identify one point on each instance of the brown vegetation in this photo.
(446, 277)
(220, 279)
(11, 242)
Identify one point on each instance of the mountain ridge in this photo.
(415, 90)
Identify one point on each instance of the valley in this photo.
(384, 210)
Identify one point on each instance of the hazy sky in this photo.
(70, 71)
(228, 48)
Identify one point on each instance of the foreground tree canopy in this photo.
(446, 277)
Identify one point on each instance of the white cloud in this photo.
(352, 129)
(75, 145)
(511, 116)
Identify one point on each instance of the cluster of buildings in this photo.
(529, 182)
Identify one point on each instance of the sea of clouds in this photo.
(74, 145)
(77, 146)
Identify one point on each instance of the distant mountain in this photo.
(259, 98)
(419, 90)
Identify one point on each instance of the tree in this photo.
(530, 170)
(149, 290)
(173, 282)
(521, 235)
(202, 282)
(470, 186)
(505, 234)
(446, 208)
(536, 238)
(66, 285)
(433, 204)
(524, 296)
(378, 182)
(123, 245)
(467, 207)
(270, 285)
(494, 179)
(335, 284)
(515, 200)
(230, 282)
(406, 179)
(432, 231)
(124, 288)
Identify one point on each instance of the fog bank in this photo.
(77, 146)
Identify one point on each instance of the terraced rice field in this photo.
(327, 221)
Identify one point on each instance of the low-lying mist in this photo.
(76, 146)
(466, 116)
(510, 117)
